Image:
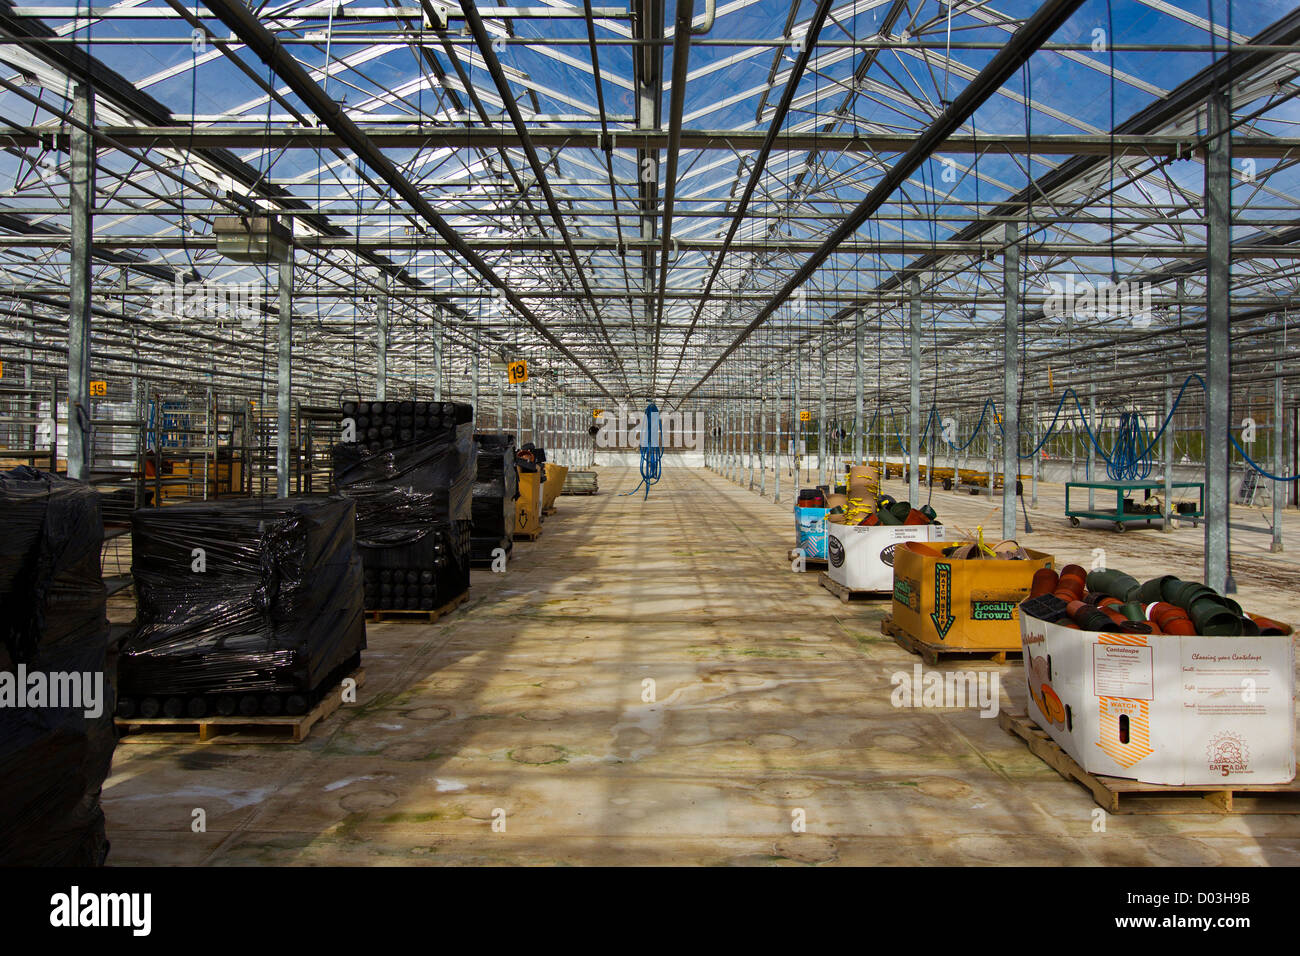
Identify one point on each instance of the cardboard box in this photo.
(861, 557)
(971, 604)
(1165, 708)
(810, 531)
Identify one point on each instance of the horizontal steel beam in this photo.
(323, 11)
(388, 136)
(426, 243)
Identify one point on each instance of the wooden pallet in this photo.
(813, 564)
(233, 730)
(1118, 795)
(933, 653)
(593, 491)
(417, 616)
(847, 594)
(528, 535)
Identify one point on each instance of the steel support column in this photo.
(859, 413)
(1167, 524)
(1092, 448)
(1010, 381)
(381, 359)
(474, 386)
(1279, 488)
(914, 381)
(284, 379)
(1218, 346)
(1033, 444)
(82, 203)
(821, 410)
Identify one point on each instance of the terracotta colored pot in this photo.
(1269, 627)
(1045, 582)
(1113, 614)
(1162, 612)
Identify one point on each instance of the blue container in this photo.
(810, 531)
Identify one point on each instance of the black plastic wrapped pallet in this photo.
(404, 490)
(421, 576)
(275, 605)
(496, 457)
(380, 425)
(495, 489)
(53, 761)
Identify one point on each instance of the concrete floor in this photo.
(772, 701)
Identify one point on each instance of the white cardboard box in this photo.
(861, 557)
(1164, 708)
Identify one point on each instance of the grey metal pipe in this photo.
(914, 397)
(1218, 346)
(284, 379)
(1010, 381)
(82, 202)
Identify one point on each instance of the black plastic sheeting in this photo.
(496, 487)
(407, 489)
(53, 761)
(277, 607)
(412, 476)
(421, 576)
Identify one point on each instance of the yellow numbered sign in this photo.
(597, 412)
(805, 416)
(517, 372)
(98, 388)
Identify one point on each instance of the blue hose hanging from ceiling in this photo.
(652, 449)
(1127, 461)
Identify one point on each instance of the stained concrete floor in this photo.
(772, 702)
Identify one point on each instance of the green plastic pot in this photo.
(1133, 611)
(1153, 590)
(1117, 584)
(1213, 619)
(1184, 594)
(887, 517)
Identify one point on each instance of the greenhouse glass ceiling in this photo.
(691, 202)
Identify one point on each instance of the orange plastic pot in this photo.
(1164, 614)
(1045, 582)
(1269, 627)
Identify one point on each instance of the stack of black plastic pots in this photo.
(246, 606)
(496, 487)
(54, 752)
(411, 471)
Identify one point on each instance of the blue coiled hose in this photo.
(652, 450)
